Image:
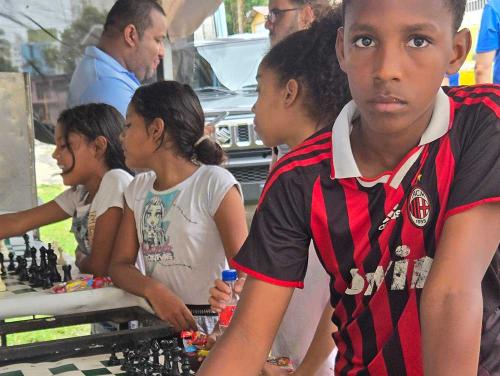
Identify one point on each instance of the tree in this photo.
(71, 47)
(5, 62)
(236, 11)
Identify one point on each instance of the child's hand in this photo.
(171, 308)
(272, 370)
(221, 293)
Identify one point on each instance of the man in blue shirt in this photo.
(488, 44)
(128, 52)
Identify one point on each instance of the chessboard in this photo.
(30, 269)
(145, 360)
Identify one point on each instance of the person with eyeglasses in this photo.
(288, 16)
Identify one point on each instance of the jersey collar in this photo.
(344, 165)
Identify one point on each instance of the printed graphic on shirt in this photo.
(398, 271)
(156, 244)
(91, 226)
(419, 207)
(80, 228)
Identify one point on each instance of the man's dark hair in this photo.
(180, 109)
(308, 56)
(320, 7)
(136, 12)
(457, 7)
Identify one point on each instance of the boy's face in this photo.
(395, 54)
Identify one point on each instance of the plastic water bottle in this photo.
(229, 277)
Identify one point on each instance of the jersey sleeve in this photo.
(111, 190)
(489, 32)
(477, 170)
(276, 250)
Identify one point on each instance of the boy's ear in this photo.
(155, 130)
(291, 92)
(130, 35)
(462, 43)
(339, 47)
(101, 144)
(306, 16)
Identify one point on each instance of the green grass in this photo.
(60, 233)
(57, 232)
(47, 334)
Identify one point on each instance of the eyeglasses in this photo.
(275, 13)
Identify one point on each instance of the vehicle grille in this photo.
(243, 133)
(250, 174)
(237, 135)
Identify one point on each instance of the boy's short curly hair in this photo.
(457, 7)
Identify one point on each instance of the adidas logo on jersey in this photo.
(371, 281)
(393, 214)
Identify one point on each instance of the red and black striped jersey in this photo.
(377, 237)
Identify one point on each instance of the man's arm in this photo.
(252, 331)
(452, 304)
(482, 69)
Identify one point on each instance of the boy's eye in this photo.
(418, 42)
(364, 42)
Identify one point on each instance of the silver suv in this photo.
(222, 72)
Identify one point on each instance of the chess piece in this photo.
(176, 361)
(55, 276)
(43, 257)
(45, 277)
(67, 273)
(3, 272)
(33, 265)
(155, 351)
(113, 359)
(11, 266)
(23, 269)
(27, 247)
(3, 249)
(2, 286)
(186, 366)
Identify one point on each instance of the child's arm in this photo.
(321, 346)
(106, 227)
(231, 222)
(452, 304)
(15, 224)
(125, 275)
(244, 347)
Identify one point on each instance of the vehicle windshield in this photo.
(224, 66)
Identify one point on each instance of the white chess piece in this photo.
(2, 285)
(3, 249)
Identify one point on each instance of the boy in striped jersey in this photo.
(402, 201)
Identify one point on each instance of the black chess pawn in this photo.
(23, 269)
(186, 366)
(113, 359)
(3, 272)
(167, 357)
(67, 273)
(176, 361)
(18, 267)
(36, 279)
(11, 267)
(55, 276)
(46, 282)
(34, 264)
(43, 257)
(27, 247)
